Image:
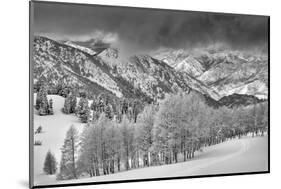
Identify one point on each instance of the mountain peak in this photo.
(82, 48)
(110, 53)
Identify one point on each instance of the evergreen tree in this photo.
(68, 169)
(50, 164)
(83, 110)
(94, 105)
(100, 105)
(108, 111)
(73, 102)
(67, 105)
(42, 104)
(51, 111)
(42, 110)
(84, 115)
(70, 104)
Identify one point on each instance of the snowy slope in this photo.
(54, 62)
(54, 131)
(234, 156)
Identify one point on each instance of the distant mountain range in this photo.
(97, 68)
(224, 71)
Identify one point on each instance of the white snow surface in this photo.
(54, 131)
(234, 156)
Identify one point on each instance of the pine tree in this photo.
(50, 164)
(94, 105)
(67, 105)
(70, 104)
(73, 103)
(100, 105)
(51, 111)
(85, 114)
(83, 110)
(39, 98)
(42, 110)
(68, 169)
(42, 101)
(108, 111)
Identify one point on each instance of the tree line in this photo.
(163, 133)
(90, 110)
(87, 108)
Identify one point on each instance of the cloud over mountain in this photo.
(145, 29)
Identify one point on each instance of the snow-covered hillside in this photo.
(234, 156)
(54, 131)
(237, 155)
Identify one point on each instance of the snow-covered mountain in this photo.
(55, 63)
(138, 77)
(223, 71)
(143, 76)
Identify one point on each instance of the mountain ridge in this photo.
(141, 76)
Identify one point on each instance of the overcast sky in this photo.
(140, 30)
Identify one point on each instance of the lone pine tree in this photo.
(50, 164)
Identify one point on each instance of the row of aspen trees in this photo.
(166, 133)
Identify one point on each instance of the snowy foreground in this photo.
(234, 156)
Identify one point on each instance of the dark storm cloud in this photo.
(144, 28)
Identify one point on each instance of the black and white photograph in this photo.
(127, 94)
